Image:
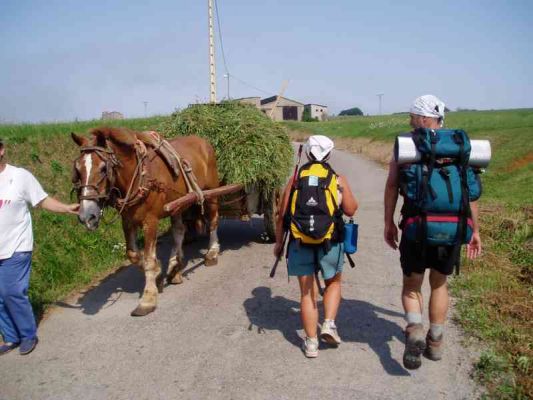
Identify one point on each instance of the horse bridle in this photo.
(110, 159)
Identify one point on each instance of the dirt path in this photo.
(230, 332)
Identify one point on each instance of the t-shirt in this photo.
(18, 188)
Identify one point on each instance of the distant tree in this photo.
(351, 111)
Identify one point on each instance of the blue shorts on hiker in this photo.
(301, 259)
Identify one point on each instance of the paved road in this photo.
(230, 332)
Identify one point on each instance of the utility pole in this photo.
(227, 77)
(380, 95)
(212, 71)
(145, 108)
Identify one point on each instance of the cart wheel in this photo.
(270, 214)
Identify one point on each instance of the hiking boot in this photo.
(328, 333)
(28, 345)
(310, 347)
(7, 347)
(415, 344)
(434, 348)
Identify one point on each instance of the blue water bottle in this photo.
(350, 237)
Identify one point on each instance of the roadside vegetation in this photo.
(495, 293)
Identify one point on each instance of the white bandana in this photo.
(319, 146)
(428, 106)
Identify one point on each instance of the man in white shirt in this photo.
(18, 188)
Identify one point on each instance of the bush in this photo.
(351, 111)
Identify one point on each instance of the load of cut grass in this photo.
(250, 148)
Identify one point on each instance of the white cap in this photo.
(428, 106)
(319, 146)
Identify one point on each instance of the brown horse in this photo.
(116, 168)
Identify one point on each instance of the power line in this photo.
(250, 86)
(224, 57)
(221, 41)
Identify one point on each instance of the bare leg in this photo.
(438, 302)
(152, 269)
(211, 258)
(130, 234)
(309, 310)
(411, 293)
(176, 263)
(332, 297)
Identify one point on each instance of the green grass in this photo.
(495, 293)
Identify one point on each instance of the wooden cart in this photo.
(238, 202)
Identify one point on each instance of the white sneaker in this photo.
(310, 347)
(328, 333)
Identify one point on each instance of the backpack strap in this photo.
(464, 211)
(427, 171)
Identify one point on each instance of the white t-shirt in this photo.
(18, 188)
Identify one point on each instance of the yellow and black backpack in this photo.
(313, 216)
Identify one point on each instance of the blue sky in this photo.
(65, 59)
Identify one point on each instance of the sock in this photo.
(330, 323)
(413, 318)
(436, 331)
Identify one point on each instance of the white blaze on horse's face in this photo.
(90, 211)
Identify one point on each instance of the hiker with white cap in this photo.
(311, 210)
(418, 252)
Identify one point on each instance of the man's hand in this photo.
(391, 235)
(73, 208)
(51, 204)
(473, 249)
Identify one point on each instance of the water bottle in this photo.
(350, 237)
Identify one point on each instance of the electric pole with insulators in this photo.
(212, 70)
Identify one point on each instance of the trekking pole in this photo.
(286, 232)
(278, 258)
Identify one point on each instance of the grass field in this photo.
(494, 293)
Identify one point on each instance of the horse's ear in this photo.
(100, 138)
(79, 140)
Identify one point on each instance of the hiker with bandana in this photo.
(427, 112)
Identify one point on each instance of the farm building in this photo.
(317, 111)
(286, 109)
(255, 101)
(112, 115)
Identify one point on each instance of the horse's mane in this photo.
(120, 136)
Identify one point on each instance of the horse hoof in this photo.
(134, 257)
(176, 280)
(209, 262)
(141, 311)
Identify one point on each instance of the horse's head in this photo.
(93, 177)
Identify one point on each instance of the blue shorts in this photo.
(301, 260)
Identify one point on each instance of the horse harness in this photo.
(144, 185)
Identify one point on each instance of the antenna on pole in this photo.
(145, 107)
(380, 95)
(278, 97)
(212, 70)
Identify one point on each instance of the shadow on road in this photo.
(358, 321)
(233, 235)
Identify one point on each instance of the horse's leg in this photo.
(176, 263)
(130, 234)
(152, 269)
(211, 258)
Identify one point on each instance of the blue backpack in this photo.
(438, 189)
